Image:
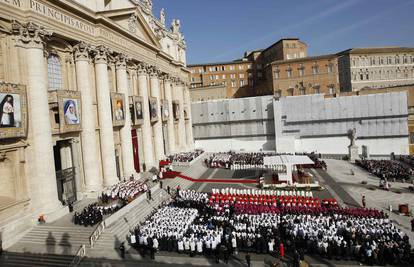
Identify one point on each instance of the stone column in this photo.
(106, 131)
(146, 125)
(157, 126)
(42, 178)
(126, 138)
(170, 121)
(74, 144)
(188, 123)
(93, 179)
(181, 121)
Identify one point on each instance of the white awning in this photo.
(287, 160)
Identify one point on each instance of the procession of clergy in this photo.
(230, 221)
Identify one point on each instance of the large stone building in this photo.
(375, 67)
(236, 77)
(91, 92)
(285, 69)
(303, 76)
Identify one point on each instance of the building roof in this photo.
(237, 61)
(303, 59)
(369, 50)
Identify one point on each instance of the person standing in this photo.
(122, 250)
(248, 259)
(412, 225)
(161, 184)
(364, 203)
(281, 250)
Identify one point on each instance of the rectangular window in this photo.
(290, 91)
(241, 75)
(259, 74)
(241, 82)
(232, 76)
(241, 67)
(192, 79)
(259, 66)
(211, 77)
(315, 70)
(330, 68)
(217, 77)
(249, 66)
(210, 69)
(233, 84)
(289, 73)
(301, 71)
(361, 77)
(231, 67)
(276, 74)
(224, 76)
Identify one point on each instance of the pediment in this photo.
(134, 22)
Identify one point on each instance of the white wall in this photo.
(222, 145)
(339, 145)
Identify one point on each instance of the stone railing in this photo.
(78, 257)
(97, 233)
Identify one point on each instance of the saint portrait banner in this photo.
(165, 110)
(176, 110)
(118, 109)
(13, 111)
(138, 110)
(69, 111)
(153, 102)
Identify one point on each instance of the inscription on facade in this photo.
(12, 2)
(61, 17)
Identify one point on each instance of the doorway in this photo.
(65, 172)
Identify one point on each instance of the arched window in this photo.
(54, 72)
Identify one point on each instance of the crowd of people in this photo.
(210, 224)
(94, 213)
(111, 200)
(233, 160)
(185, 156)
(386, 169)
(125, 190)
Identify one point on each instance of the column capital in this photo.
(142, 68)
(132, 67)
(101, 54)
(154, 72)
(30, 35)
(121, 61)
(166, 77)
(82, 51)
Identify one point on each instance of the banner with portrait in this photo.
(138, 110)
(176, 109)
(69, 111)
(165, 110)
(13, 111)
(118, 109)
(153, 102)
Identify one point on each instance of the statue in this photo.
(148, 4)
(352, 136)
(162, 16)
(175, 26)
(352, 148)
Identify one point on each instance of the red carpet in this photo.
(172, 174)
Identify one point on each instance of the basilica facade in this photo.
(91, 92)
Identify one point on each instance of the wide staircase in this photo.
(56, 245)
(116, 233)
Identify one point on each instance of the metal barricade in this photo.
(97, 233)
(78, 257)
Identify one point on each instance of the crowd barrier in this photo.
(78, 257)
(96, 234)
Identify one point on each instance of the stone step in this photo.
(39, 260)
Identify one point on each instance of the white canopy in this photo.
(287, 160)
